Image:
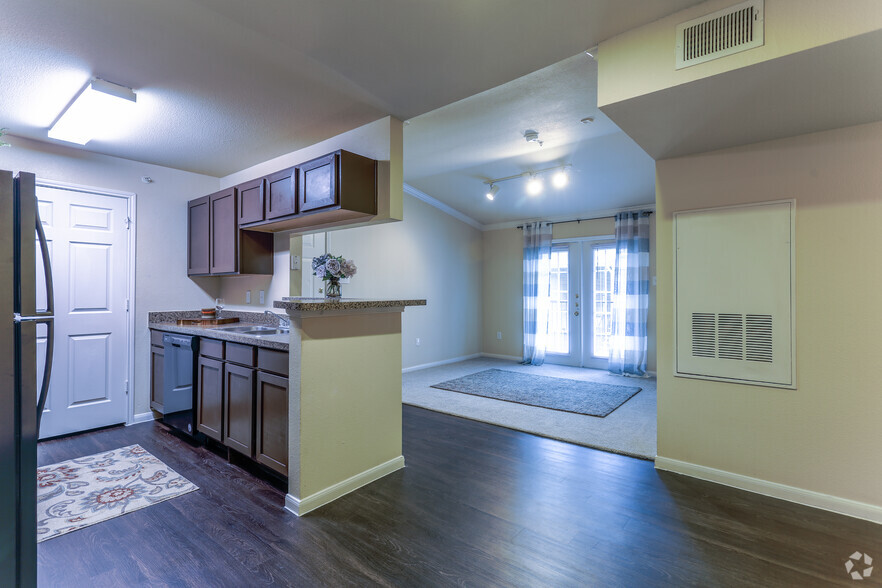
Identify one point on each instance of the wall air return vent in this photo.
(734, 296)
(722, 33)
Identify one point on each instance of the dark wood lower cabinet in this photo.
(157, 377)
(272, 422)
(239, 408)
(210, 398)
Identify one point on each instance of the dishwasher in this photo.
(179, 383)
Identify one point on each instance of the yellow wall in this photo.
(641, 60)
(825, 435)
(503, 284)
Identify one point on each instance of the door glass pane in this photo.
(603, 268)
(558, 319)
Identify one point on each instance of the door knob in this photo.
(576, 313)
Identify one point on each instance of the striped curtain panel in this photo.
(537, 290)
(627, 354)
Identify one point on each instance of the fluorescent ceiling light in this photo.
(560, 179)
(534, 185)
(492, 192)
(95, 111)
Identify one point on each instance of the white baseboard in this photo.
(852, 508)
(423, 366)
(497, 356)
(301, 506)
(142, 418)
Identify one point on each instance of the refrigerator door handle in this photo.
(47, 368)
(47, 268)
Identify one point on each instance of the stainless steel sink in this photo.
(253, 330)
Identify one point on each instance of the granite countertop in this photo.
(303, 304)
(166, 321)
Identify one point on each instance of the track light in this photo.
(491, 193)
(560, 179)
(97, 109)
(534, 185)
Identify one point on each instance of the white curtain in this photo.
(627, 354)
(537, 287)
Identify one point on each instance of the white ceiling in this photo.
(225, 84)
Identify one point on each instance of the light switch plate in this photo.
(295, 262)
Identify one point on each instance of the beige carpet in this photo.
(80, 492)
(629, 430)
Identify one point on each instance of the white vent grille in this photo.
(742, 337)
(722, 33)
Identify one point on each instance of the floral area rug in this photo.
(80, 492)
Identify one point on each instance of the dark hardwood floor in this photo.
(477, 505)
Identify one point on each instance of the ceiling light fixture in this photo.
(560, 178)
(534, 185)
(99, 107)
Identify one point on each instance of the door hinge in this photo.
(128, 223)
(127, 305)
(127, 387)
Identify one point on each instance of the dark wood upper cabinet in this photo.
(198, 240)
(318, 183)
(251, 197)
(224, 232)
(281, 194)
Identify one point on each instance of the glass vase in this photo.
(332, 289)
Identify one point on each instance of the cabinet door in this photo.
(210, 397)
(224, 232)
(318, 183)
(197, 237)
(239, 408)
(272, 422)
(157, 367)
(251, 196)
(281, 193)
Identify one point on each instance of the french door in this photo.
(580, 318)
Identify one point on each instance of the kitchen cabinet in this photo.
(210, 398)
(281, 194)
(338, 180)
(198, 238)
(271, 418)
(224, 232)
(157, 369)
(215, 244)
(251, 197)
(243, 400)
(238, 431)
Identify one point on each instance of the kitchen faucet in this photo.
(283, 322)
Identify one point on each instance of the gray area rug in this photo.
(577, 396)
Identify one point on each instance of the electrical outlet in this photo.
(417, 341)
(295, 262)
(262, 297)
(499, 335)
(247, 296)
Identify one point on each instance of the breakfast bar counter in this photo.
(344, 409)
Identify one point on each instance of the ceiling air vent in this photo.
(722, 33)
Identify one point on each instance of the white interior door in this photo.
(313, 246)
(88, 248)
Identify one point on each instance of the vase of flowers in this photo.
(331, 269)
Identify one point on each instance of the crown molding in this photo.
(420, 195)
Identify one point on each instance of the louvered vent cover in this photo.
(744, 337)
(722, 33)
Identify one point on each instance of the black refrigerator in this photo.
(21, 397)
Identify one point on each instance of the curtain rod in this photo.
(578, 220)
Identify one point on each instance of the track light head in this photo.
(560, 178)
(534, 185)
(492, 191)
